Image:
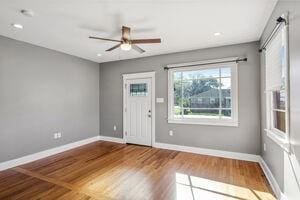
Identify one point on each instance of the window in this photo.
(203, 95)
(278, 110)
(277, 87)
(138, 89)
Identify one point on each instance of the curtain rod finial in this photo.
(280, 19)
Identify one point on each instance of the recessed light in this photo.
(18, 26)
(27, 13)
(217, 34)
(99, 54)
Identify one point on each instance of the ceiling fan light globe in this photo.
(125, 46)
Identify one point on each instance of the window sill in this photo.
(280, 140)
(209, 123)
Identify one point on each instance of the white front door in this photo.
(138, 111)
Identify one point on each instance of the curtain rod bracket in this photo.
(281, 19)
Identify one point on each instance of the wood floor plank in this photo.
(105, 170)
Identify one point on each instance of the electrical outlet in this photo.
(57, 135)
(171, 133)
(265, 147)
(115, 127)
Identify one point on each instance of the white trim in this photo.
(205, 121)
(112, 139)
(210, 152)
(270, 177)
(46, 153)
(295, 165)
(279, 139)
(202, 122)
(139, 76)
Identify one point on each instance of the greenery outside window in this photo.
(203, 95)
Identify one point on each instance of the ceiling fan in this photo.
(126, 43)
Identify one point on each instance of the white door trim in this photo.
(137, 76)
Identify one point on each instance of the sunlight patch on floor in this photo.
(196, 188)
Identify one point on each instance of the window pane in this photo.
(226, 72)
(205, 73)
(226, 92)
(185, 100)
(201, 113)
(201, 93)
(139, 89)
(206, 99)
(177, 111)
(279, 120)
(226, 114)
(177, 93)
(177, 76)
(226, 83)
(279, 99)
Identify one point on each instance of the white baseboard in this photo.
(274, 185)
(210, 152)
(46, 153)
(112, 139)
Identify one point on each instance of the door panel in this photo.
(138, 111)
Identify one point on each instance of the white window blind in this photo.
(276, 61)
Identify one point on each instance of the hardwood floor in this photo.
(105, 170)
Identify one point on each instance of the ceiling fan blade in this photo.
(114, 47)
(145, 41)
(98, 38)
(125, 32)
(137, 48)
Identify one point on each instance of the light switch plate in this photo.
(160, 100)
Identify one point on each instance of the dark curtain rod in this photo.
(279, 20)
(210, 63)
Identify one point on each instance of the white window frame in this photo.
(281, 138)
(205, 121)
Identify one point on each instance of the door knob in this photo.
(149, 113)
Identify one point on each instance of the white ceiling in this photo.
(64, 25)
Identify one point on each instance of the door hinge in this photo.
(126, 133)
(125, 86)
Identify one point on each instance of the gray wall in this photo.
(274, 155)
(245, 138)
(42, 92)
